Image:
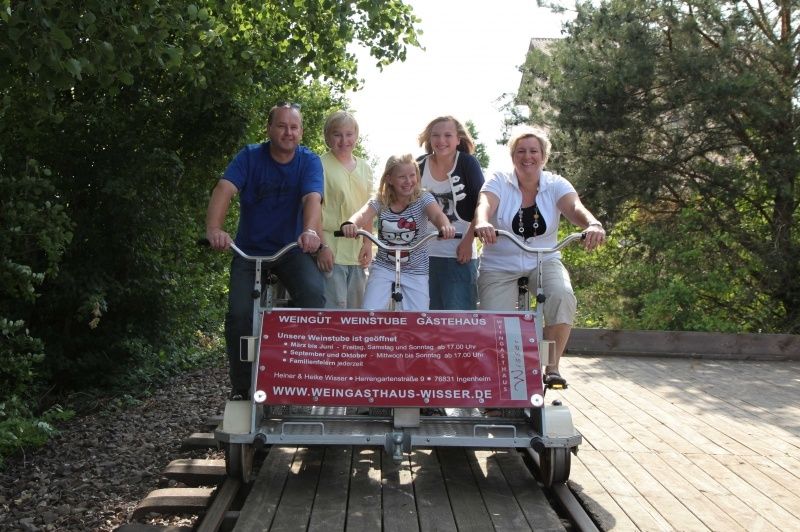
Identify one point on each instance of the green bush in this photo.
(19, 429)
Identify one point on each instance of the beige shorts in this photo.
(498, 291)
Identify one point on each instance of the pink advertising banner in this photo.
(392, 359)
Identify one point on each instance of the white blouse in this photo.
(504, 255)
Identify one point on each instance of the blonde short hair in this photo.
(337, 120)
(531, 132)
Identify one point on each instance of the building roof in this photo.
(541, 43)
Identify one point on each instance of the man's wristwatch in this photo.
(596, 224)
(311, 231)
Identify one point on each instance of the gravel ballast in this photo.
(93, 474)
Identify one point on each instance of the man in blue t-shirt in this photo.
(280, 188)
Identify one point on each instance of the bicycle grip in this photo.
(203, 241)
(338, 232)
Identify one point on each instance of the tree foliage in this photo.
(35, 232)
(680, 119)
(480, 148)
(116, 119)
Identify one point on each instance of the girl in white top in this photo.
(403, 211)
(529, 202)
(453, 175)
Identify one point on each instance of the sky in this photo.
(473, 51)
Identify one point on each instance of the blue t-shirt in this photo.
(270, 196)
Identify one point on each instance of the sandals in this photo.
(554, 380)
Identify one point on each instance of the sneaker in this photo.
(239, 395)
(554, 380)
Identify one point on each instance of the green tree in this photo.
(480, 148)
(35, 232)
(683, 118)
(116, 119)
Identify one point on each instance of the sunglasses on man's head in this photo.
(282, 105)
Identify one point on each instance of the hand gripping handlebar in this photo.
(524, 247)
(266, 258)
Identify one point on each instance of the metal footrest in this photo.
(364, 430)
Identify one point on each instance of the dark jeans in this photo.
(297, 272)
(452, 286)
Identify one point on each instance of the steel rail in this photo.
(575, 511)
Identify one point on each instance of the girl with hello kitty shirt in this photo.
(403, 212)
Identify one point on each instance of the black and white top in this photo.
(403, 229)
(457, 196)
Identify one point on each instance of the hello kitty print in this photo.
(403, 229)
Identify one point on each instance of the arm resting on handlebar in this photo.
(218, 206)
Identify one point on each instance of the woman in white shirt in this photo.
(529, 202)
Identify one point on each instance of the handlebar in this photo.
(266, 258)
(524, 247)
(389, 248)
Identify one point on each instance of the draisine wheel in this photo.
(554, 463)
(239, 461)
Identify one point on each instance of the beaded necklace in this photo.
(521, 228)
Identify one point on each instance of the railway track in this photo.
(217, 502)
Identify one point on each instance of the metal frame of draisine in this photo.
(247, 424)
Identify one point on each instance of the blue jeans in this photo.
(453, 286)
(300, 276)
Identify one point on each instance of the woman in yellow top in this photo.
(348, 186)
